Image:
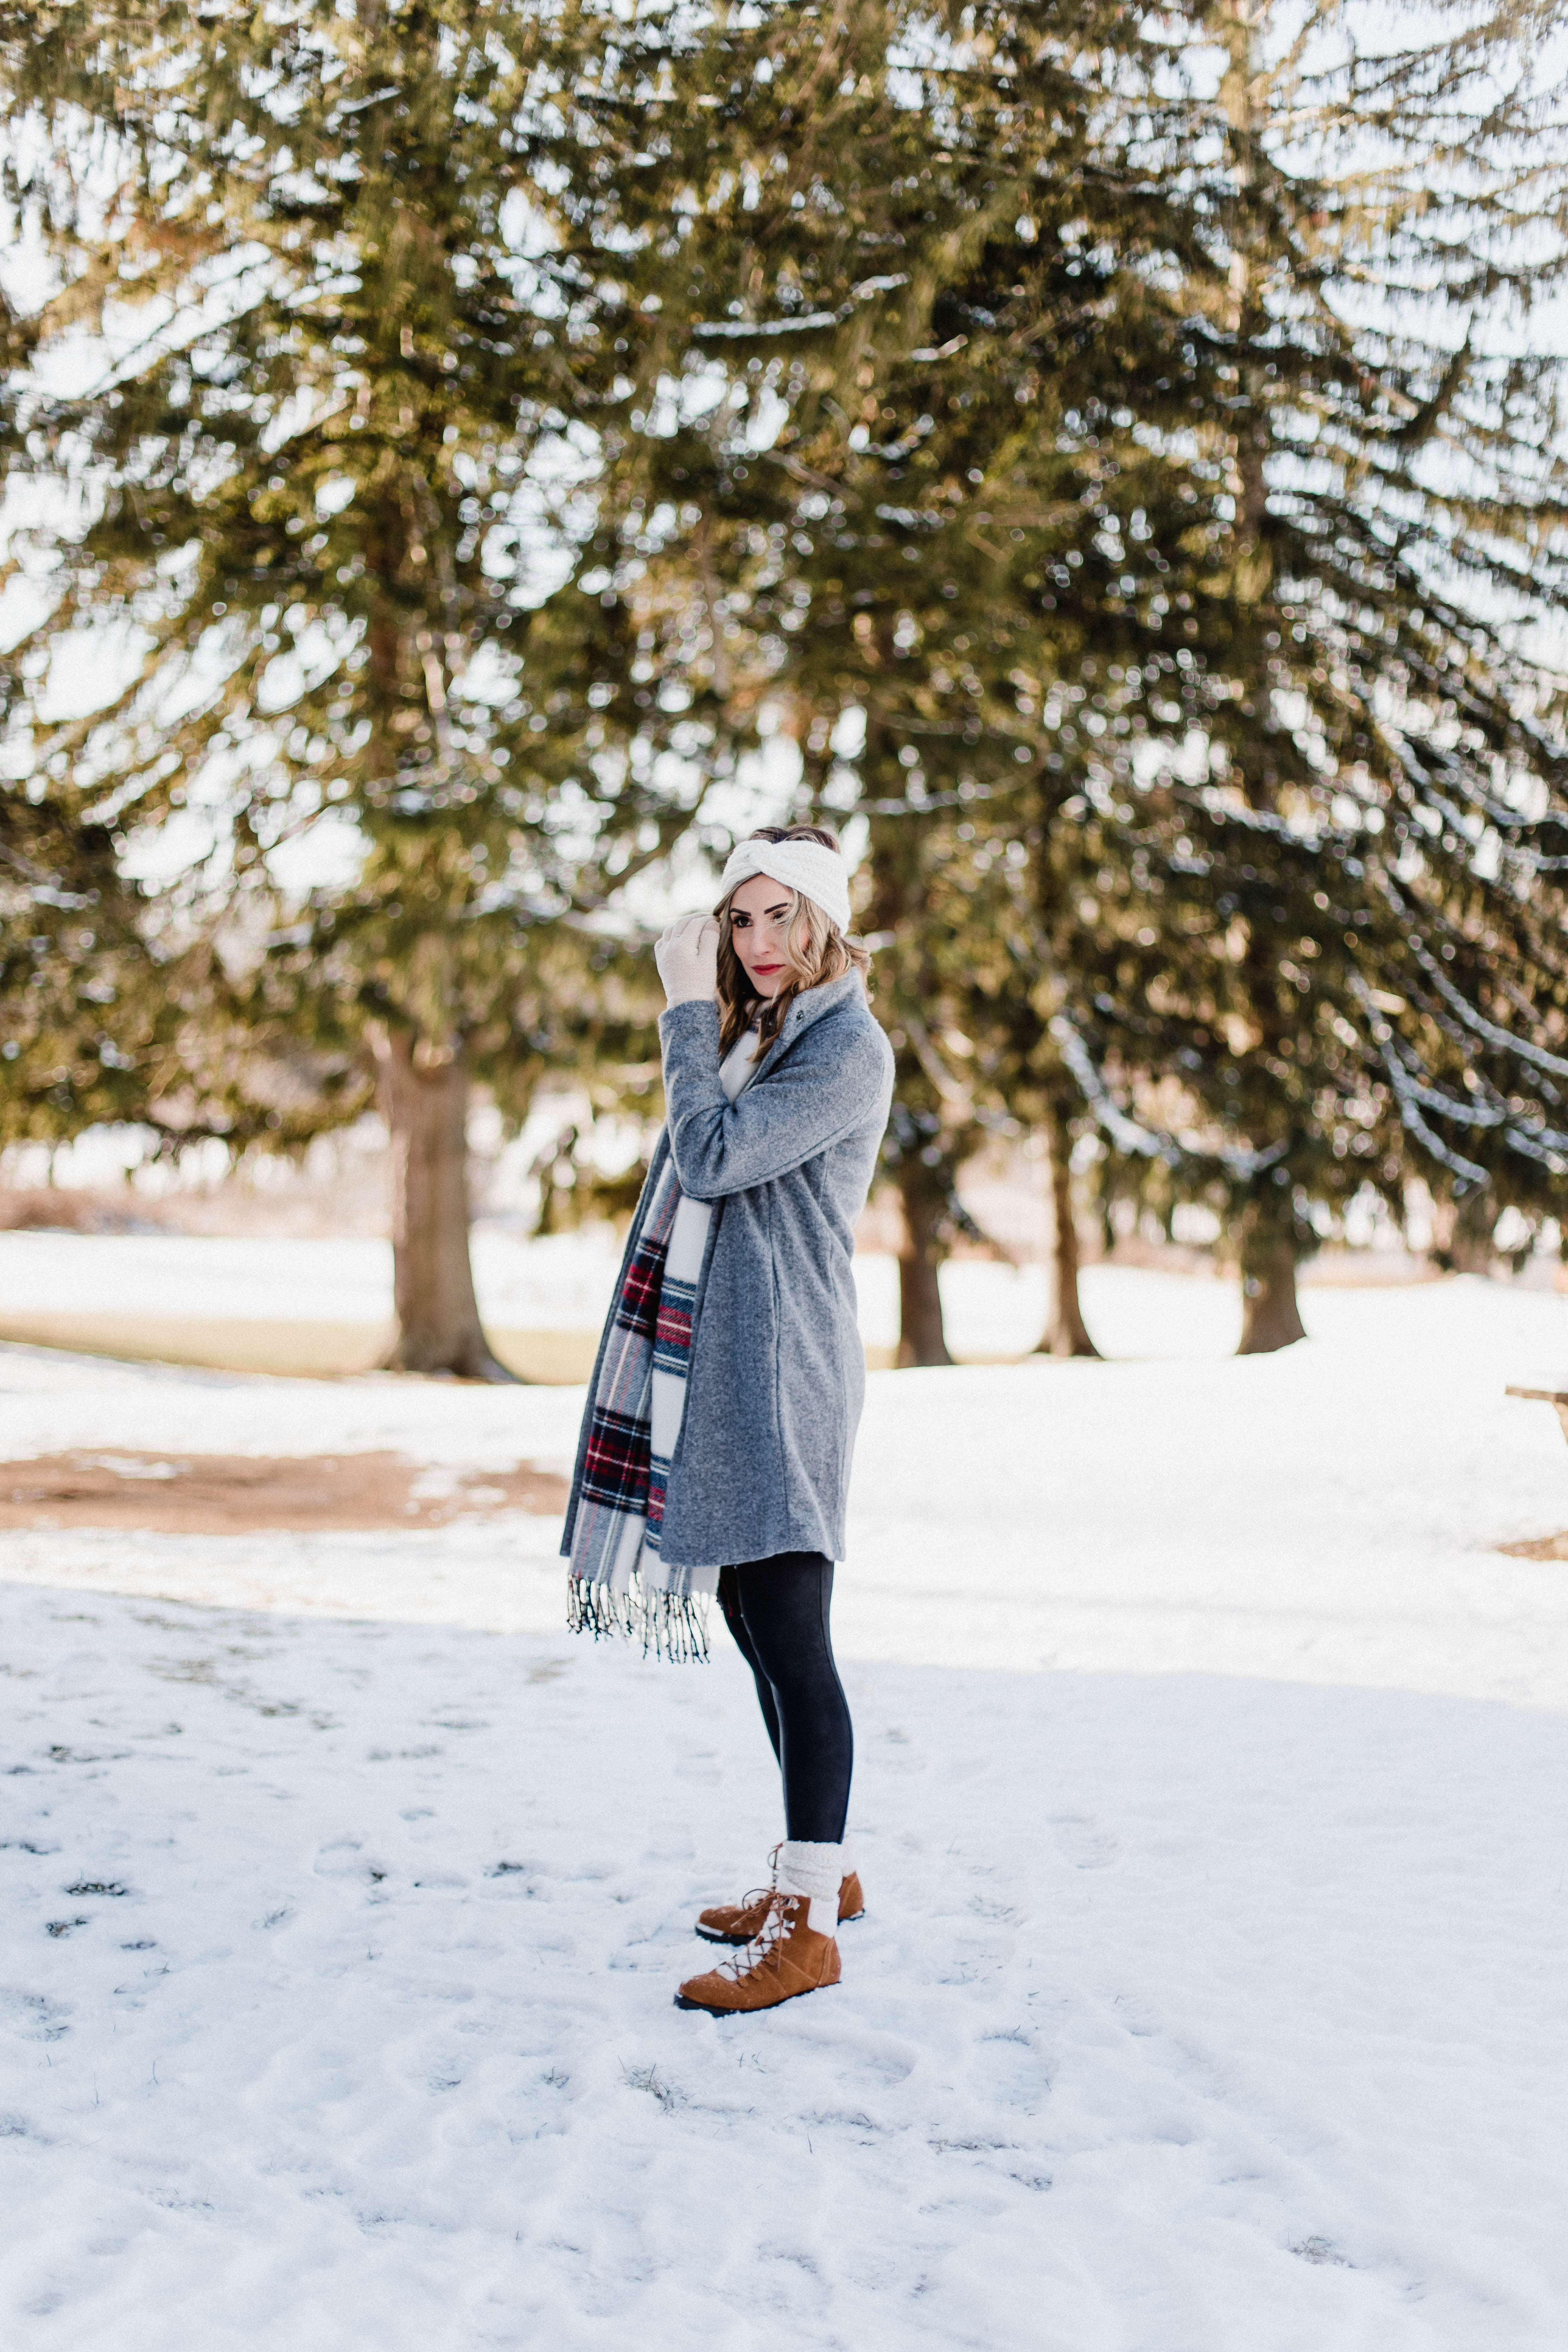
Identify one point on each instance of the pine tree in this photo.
(820, 225)
(359, 476)
(1209, 559)
(757, 170)
(919, 270)
(1349, 876)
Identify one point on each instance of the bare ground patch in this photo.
(1538, 1548)
(245, 1494)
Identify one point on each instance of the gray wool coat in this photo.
(778, 1375)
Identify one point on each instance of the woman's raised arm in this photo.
(828, 1084)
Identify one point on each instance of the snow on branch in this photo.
(1149, 1143)
(1459, 1003)
(1408, 1095)
(716, 329)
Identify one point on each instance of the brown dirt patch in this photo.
(1538, 1548)
(244, 1494)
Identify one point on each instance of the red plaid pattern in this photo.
(673, 1330)
(616, 1466)
(636, 1308)
(616, 1580)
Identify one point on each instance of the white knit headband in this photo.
(808, 867)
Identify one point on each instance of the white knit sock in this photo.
(814, 1871)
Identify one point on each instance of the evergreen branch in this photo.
(1475, 1022)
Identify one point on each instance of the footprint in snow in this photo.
(1087, 1843)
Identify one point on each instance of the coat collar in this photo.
(806, 1008)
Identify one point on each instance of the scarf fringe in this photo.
(670, 1625)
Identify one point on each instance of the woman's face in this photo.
(760, 915)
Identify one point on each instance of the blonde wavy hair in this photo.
(816, 948)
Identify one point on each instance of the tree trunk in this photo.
(1470, 1248)
(425, 1100)
(922, 1339)
(1066, 1334)
(1270, 1315)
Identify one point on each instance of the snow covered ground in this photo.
(1209, 1801)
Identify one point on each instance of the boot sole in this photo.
(711, 1934)
(710, 2009)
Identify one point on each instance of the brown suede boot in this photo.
(783, 1962)
(737, 1923)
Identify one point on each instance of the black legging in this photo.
(777, 1611)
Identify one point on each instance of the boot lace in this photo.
(776, 1925)
(761, 1894)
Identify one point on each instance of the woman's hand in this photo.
(687, 955)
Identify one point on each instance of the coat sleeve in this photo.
(825, 1088)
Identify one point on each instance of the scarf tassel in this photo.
(672, 1625)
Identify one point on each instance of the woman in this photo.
(715, 1449)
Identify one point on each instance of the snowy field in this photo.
(1209, 1801)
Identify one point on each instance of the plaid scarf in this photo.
(618, 1581)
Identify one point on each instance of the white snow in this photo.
(561, 1284)
(1209, 1801)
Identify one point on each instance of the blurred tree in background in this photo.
(354, 487)
(1235, 526)
(1359, 808)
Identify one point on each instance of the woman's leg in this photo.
(730, 1609)
(784, 1605)
(777, 1609)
